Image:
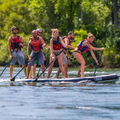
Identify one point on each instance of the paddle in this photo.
(51, 62)
(13, 79)
(40, 67)
(98, 61)
(9, 61)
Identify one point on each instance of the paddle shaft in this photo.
(98, 61)
(51, 62)
(9, 62)
(13, 79)
(40, 67)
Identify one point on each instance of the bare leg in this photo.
(58, 72)
(61, 65)
(11, 70)
(24, 69)
(43, 68)
(28, 70)
(50, 67)
(34, 69)
(30, 75)
(66, 69)
(79, 71)
(80, 59)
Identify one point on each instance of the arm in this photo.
(67, 42)
(51, 47)
(9, 47)
(28, 50)
(91, 47)
(42, 42)
(93, 55)
(21, 42)
(66, 51)
(61, 41)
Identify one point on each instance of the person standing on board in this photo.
(36, 44)
(82, 47)
(15, 43)
(39, 32)
(56, 46)
(66, 40)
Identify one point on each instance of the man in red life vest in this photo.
(66, 40)
(39, 32)
(15, 42)
(36, 43)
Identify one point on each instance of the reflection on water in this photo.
(60, 101)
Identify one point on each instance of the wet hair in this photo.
(70, 33)
(53, 31)
(90, 35)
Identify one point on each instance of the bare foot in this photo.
(26, 78)
(10, 78)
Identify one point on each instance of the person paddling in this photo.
(56, 44)
(33, 70)
(66, 40)
(82, 47)
(36, 44)
(15, 43)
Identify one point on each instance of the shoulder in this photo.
(60, 38)
(20, 37)
(10, 38)
(40, 38)
(51, 39)
(85, 42)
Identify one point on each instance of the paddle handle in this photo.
(98, 61)
(8, 63)
(40, 67)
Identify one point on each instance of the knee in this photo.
(60, 64)
(83, 63)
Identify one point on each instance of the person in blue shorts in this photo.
(36, 44)
(15, 43)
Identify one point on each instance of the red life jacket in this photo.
(56, 44)
(82, 47)
(15, 42)
(35, 45)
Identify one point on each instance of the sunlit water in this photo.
(55, 101)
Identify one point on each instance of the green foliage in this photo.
(80, 16)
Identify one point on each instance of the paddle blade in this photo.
(12, 79)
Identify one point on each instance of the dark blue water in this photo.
(57, 101)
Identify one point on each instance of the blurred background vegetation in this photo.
(100, 17)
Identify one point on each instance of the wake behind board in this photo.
(102, 78)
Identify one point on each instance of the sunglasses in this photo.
(39, 32)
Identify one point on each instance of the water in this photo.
(74, 101)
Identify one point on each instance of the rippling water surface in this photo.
(58, 101)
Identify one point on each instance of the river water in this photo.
(74, 101)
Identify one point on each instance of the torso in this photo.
(35, 45)
(82, 47)
(15, 42)
(57, 46)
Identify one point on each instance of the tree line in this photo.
(100, 17)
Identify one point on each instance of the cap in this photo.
(13, 28)
(38, 30)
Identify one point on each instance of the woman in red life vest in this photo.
(56, 46)
(82, 47)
